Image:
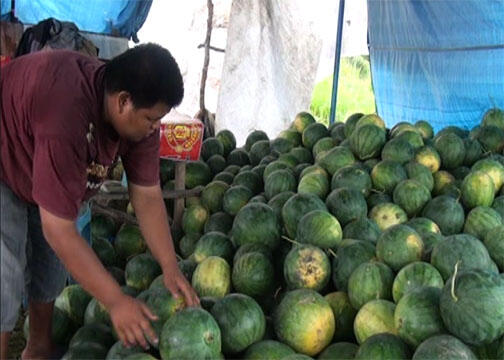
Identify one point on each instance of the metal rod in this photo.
(337, 56)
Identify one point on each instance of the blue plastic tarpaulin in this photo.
(440, 61)
(111, 17)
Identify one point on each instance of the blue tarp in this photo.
(440, 61)
(111, 17)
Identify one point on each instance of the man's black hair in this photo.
(149, 73)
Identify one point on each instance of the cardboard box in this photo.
(181, 140)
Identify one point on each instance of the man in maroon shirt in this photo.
(65, 118)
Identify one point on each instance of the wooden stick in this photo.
(167, 194)
(206, 61)
(118, 216)
(178, 207)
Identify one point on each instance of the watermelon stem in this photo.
(290, 240)
(179, 258)
(330, 251)
(455, 298)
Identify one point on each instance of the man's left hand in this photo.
(178, 285)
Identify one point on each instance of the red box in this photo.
(181, 140)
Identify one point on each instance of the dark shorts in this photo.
(28, 264)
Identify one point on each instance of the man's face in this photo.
(134, 123)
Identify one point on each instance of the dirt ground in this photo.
(17, 341)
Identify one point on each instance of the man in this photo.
(65, 119)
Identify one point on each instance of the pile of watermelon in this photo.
(340, 242)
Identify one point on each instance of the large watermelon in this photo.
(411, 196)
(425, 129)
(367, 141)
(238, 157)
(447, 213)
(162, 304)
(386, 175)
(213, 243)
(241, 321)
(415, 275)
(344, 314)
(429, 157)
(302, 154)
(253, 274)
(443, 347)
(491, 138)
(353, 177)
(316, 184)
(212, 277)
(254, 137)
(387, 214)
(336, 158)
(141, 270)
(292, 135)
(373, 119)
(417, 315)
(281, 145)
(323, 145)
(347, 205)
(295, 208)
(472, 306)
(492, 168)
(351, 123)
(211, 146)
(192, 333)
(302, 120)
(398, 246)
(371, 280)
(383, 346)
(236, 197)
(319, 228)
(102, 226)
(267, 349)
(129, 242)
(278, 201)
(213, 194)
(481, 220)
(249, 179)
(304, 320)
(375, 317)
(350, 256)
(339, 351)
(462, 248)
(187, 244)
(194, 219)
(362, 229)
(256, 223)
(493, 117)
(477, 190)
(494, 242)
(313, 133)
(197, 173)
(398, 150)
(451, 149)
(259, 150)
(62, 327)
(279, 181)
(73, 300)
(308, 267)
(420, 173)
(228, 141)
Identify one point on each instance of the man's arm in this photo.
(151, 214)
(129, 316)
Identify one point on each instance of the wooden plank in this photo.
(178, 208)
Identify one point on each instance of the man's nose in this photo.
(156, 125)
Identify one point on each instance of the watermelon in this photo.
(347, 205)
(62, 327)
(425, 129)
(415, 275)
(194, 219)
(322, 145)
(253, 247)
(480, 220)
(250, 180)
(212, 277)
(274, 166)
(472, 306)
(375, 317)
(477, 190)
(217, 164)
(447, 213)
(335, 159)
(461, 172)
(421, 174)
(401, 127)
(164, 306)
(344, 314)
(413, 137)
(141, 270)
(492, 168)
(423, 225)
(302, 154)
(494, 242)
(256, 223)
(232, 169)
(316, 184)
(442, 179)
(302, 120)
(352, 177)
(362, 229)
(383, 346)
(473, 151)
(241, 321)
(219, 221)
(119, 351)
(259, 150)
(117, 274)
(93, 333)
(367, 141)
(417, 315)
(280, 181)
(442, 347)
(224, 177)
(212, 195)
(297, 357)
(304, 320)
(197, 173)
(105, 251)
(350, 256)
(192, 333)
(129, 242)
(308, 267)
(258, 199)
(213, 243)
(278, 201)
(494, 117)
(339, 351)
(398, 246)
(319, 228)
(373, 119)
(387, 214)
(386, 175)
(398, 150)
(211, 146)
(313, 133)
(281, 145)
(291, 135)
(254, 137)
(412, 196)
(462, 133)
(498, 205)
(338, 132)
(86, 350)
(351, 122)
(238, 157)
(73, 301)
(259, 170)
(463, 248)
(288, 159)
(491, 138)
(376, 198)
(296, 207)
(228, 141)
(371, 280)
(188, 243)
(268, 159)
(267, 349)
(313, 169)
(428, 157)
(166, 170)
(298, 169)
(253, 274)
(102, 226)
(235, 198)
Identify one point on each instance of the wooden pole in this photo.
(178, 208)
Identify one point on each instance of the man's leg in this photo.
(13, 235)
(47, 279)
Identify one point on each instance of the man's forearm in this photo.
(151, 214)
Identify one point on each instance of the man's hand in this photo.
(131, 319)
(178, 285)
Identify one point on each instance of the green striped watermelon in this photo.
(412, 196)
(212, 277)
(398, 246)
(413, 276)
(253, 274)
(375, 317)
(353, 177)
(367, 141)
(441, 347)
(386, 175)
(447, 213)
(387, 214)
(319, 228)
(383, 346)
(308, 267)
(347, 205)
(351, 254)
(480, 220)
(371, 280)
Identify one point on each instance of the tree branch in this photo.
(206, 61)
(212, 48)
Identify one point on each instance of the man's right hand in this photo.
(131, 319)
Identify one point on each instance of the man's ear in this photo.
(124, 101)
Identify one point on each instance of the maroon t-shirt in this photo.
(55, 146)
